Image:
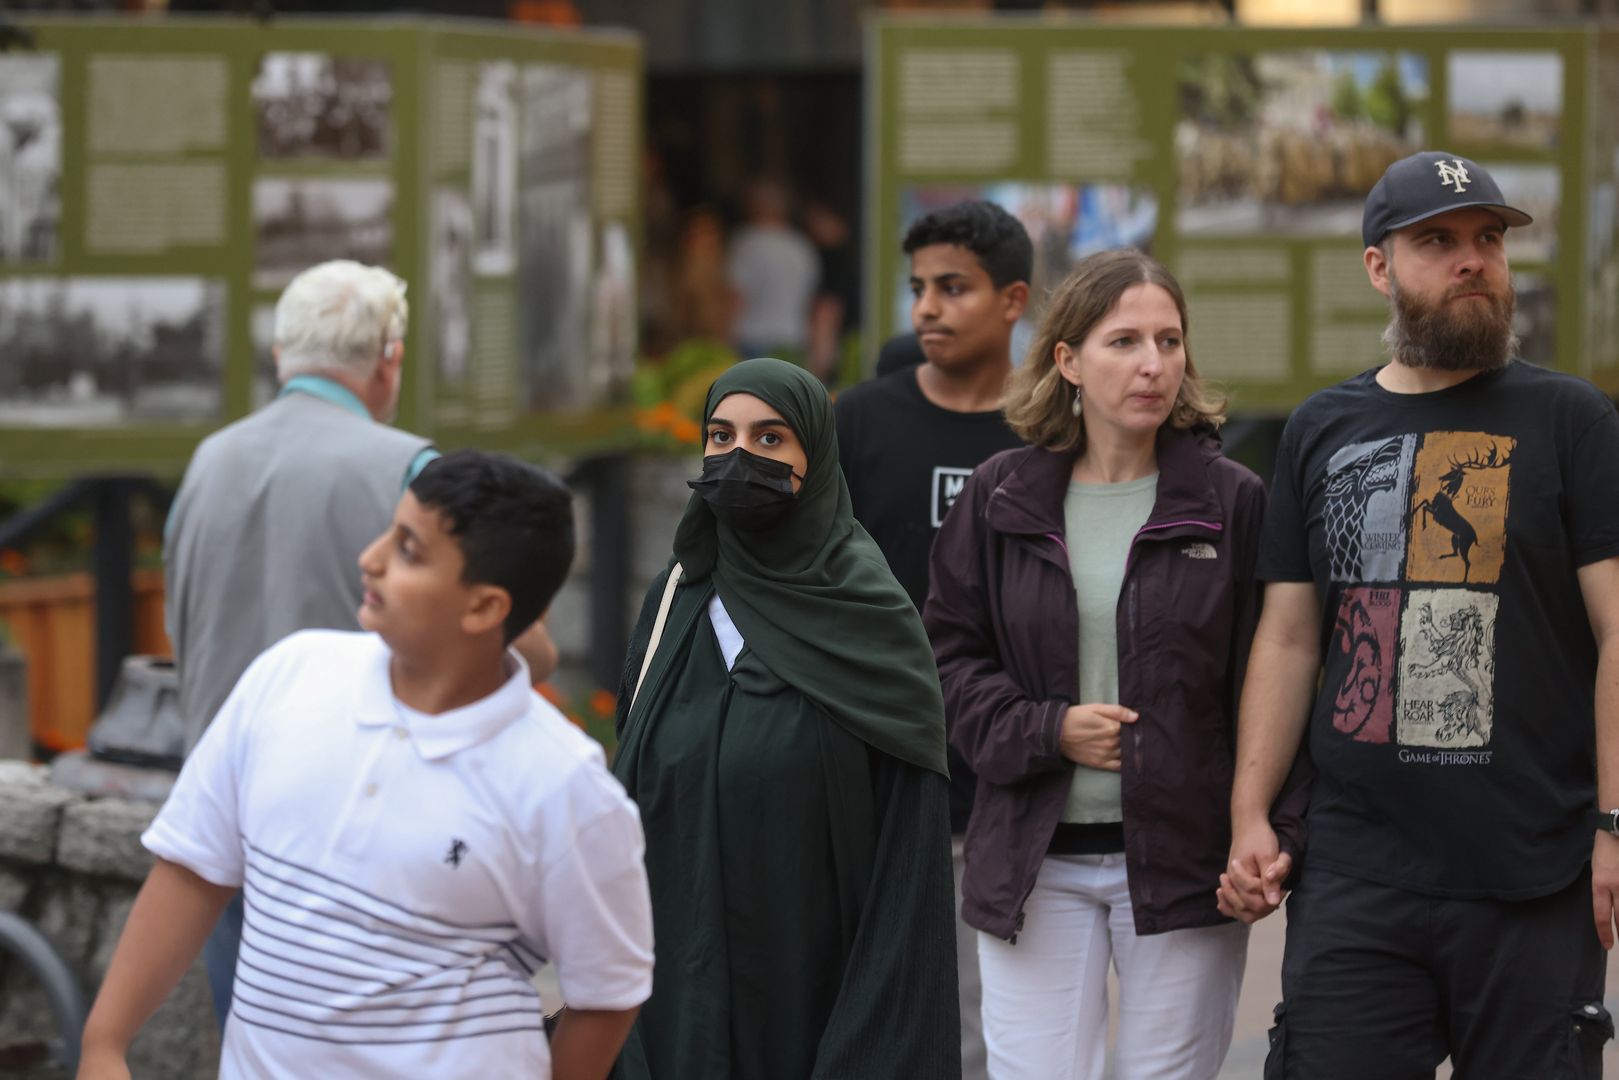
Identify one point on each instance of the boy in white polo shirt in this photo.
(414, 830)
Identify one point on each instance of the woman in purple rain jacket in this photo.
(1092, 604)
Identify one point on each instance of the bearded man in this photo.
(1441, 614)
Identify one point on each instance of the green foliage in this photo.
(1222, 90)
(1386, 103)
(1346, 101)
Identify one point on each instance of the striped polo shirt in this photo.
(405, 875)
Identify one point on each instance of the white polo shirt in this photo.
(404, 875)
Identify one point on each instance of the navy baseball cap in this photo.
(1426, 185)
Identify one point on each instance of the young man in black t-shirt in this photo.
(908, 442)
(1448, 527)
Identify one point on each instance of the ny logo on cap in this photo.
(1453, 174)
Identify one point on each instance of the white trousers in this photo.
(1046, 1000)
(972, 1027)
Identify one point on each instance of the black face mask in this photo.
(746, 491)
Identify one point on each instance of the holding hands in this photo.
(1251, 888)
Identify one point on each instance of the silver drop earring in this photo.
(1079, 401)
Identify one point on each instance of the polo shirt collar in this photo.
(329, 390)
(446, 733)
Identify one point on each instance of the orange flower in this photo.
(552, 694)
(687, 431)
(604, 702)
(663, 414)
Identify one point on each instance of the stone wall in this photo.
(72, 865)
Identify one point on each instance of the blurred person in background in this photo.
(274, 509)
(908, 442)
(773, 271)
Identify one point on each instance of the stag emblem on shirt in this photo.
(1440, 507)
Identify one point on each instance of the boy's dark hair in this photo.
(512, 521)
(998, 239)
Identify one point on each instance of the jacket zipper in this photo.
(1017, 926)
(1133, 610)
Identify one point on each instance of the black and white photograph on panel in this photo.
(261, 331)
(317, 105)
(613, 329)
(494, 169)
(30, 158)
(451, 275)
(301, 221)
(556, 239)
(96, 352)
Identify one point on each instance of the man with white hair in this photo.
(275, 509)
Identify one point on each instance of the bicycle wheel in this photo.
(20, 941)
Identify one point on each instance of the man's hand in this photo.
(1605, 885)
(1090, 734)
(1251, 887)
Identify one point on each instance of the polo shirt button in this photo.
(401, 733)
(370, 789)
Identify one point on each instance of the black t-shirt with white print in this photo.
(1454, 730)
(905, 460)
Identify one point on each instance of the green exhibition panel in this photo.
(162, 180)
(1241, 158)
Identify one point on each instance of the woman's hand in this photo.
(1090, 734)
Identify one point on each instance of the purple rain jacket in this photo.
(1004, 623)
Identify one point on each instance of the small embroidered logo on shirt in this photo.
(1199, 550)
(458, 848)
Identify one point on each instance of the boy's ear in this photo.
(1016, 296)
(486, 610)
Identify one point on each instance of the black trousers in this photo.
(1382, 984)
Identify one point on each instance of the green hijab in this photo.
(813, 597)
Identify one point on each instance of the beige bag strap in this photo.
(657, 629)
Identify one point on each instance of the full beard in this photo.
(1449, 337)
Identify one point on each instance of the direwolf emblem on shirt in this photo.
(1200, 550)
(458, 848)
(1453, 174)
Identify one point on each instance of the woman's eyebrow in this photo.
(761, 425)
(720, 421)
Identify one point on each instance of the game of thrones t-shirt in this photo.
(905, 460)
(1454, 732)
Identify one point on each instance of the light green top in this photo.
(1099, 521)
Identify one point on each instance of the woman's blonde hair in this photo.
(1039, 401)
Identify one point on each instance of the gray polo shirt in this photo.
(267, 528)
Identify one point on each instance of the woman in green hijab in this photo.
(786, 748)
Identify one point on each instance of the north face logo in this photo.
(1199, 550)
